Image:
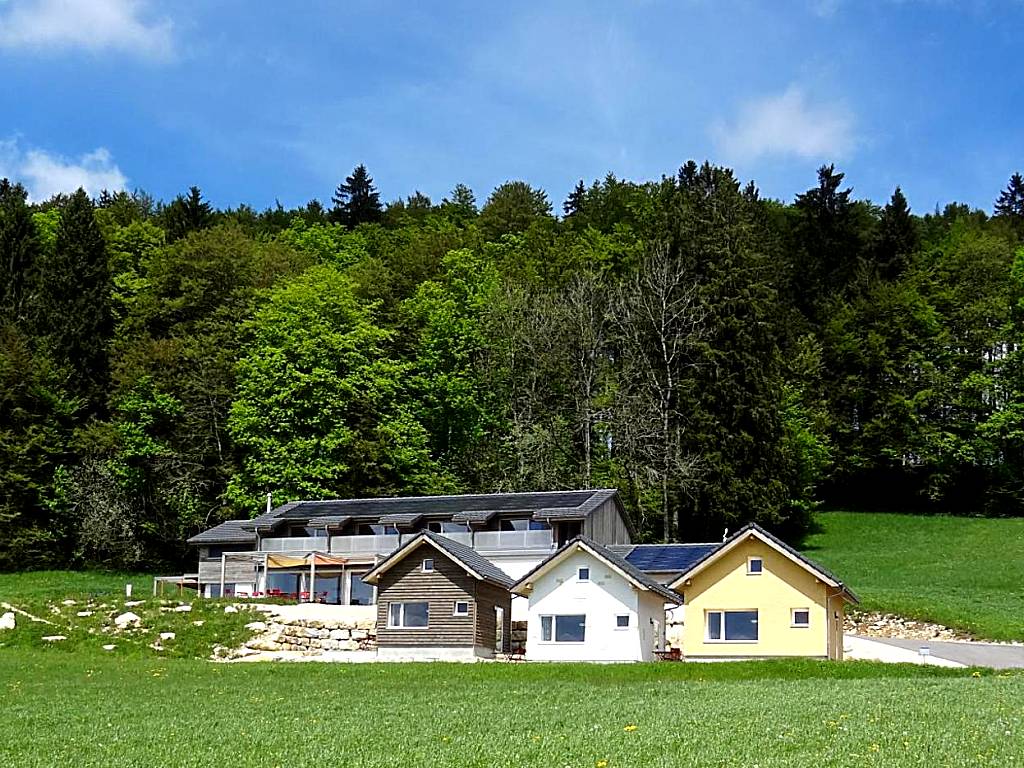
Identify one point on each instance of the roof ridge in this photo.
(386, 499)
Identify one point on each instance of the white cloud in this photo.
(45, 174)
(786, 124)
(92, 25)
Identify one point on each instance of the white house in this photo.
(587, 603)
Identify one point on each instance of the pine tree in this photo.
(897, 238)
(1011, 200)
(75, 294)
(574, 203)
(19, 250)
(356, 200)
(460, 205)
(187, 214)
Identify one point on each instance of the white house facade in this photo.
(588, 604)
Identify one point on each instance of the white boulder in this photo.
(109, 647)
(183, 608)
(7, 620)
(167, 635)
(54, 638)
(83, 614)
(230, 609)
(127, 619)
(256, 626)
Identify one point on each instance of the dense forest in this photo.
(717, 356)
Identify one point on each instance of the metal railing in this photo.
(295, 544)
(369, 544)
(493, 540)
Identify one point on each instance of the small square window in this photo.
(622, 621)
(801, 617)
(755, 566)
(583, 574)
(428, 565)
(461, 608)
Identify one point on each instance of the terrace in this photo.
(385, 543)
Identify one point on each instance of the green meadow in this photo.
(959, 571)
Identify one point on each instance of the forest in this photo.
(718, 356)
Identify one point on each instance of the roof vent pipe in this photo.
(270, 504)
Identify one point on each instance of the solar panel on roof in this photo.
(668, 557)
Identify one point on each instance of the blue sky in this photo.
(256, 101)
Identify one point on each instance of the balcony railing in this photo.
(488, 541)
(493, 540)
(295, 544)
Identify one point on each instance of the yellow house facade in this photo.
(756, 597)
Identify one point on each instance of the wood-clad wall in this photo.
(235, 571)
(606, 526)
(406, 583)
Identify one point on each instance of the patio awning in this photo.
(301, 561)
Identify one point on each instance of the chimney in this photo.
(270, 503)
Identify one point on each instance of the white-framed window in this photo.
(755, 566)
(801, 617)
(583, 573)
(461, 608)
(622, 621)
(408, 615)
(730, 626)
(563, 628)
(428, 565)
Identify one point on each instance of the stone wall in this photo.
(518, 644)
(315, 636)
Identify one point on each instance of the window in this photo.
(583, 574)
(570, 628)
(755, 566)
(731, 626)
(461, 608)
(428, 565)
(801, 617)
(524, 524)
(408, 615)
(359, 592)
(373, 529)
(622, 621)
(447, 527)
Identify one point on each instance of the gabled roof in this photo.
(400, 518)
(474, 515)
(756, 531)
(630, 572)
(475, 564)
(228, 532)
(663, 558)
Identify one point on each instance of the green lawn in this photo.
(89, 710)
(963, 572)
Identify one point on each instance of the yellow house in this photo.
(755, 596)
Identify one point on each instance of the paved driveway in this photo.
(970, 654)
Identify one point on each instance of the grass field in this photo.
(963, 572)
(88, 710)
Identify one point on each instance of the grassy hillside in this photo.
(134, 712)
(963, 572)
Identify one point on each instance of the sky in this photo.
(257, 101)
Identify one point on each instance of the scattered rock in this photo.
(183, 609)
(126, 620)
(230, 609)
(891, 625)
(198, 623)
(54, 638)
(133, 603)
(167, 635)
(256, 626)
(69, 602)
(7, 620)
(155, 645)
(83, 614)
(109, 647)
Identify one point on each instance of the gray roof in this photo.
(585, 501)
(466, 556)
(619, 562)
(561, 513)
(400, 518)
(229, 532)
(474, 515)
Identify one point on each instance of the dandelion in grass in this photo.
(601, 764)
(630, 728)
